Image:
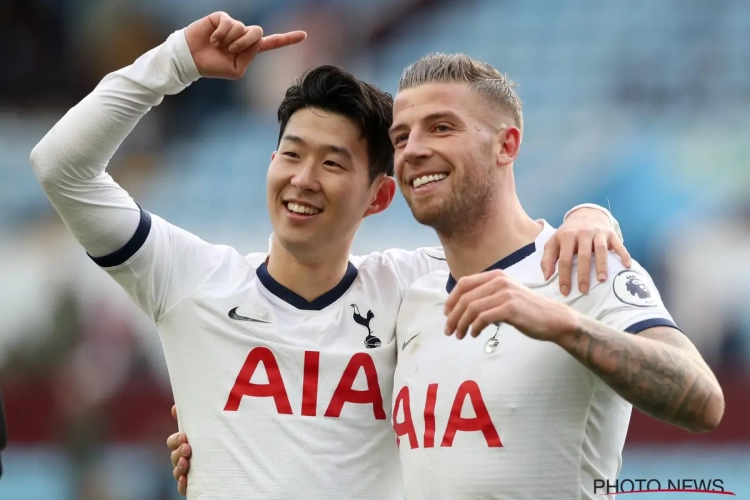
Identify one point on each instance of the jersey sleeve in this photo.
(154, 261)
(412, 265)
(161, 265)
(629, 300)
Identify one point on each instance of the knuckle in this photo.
(504, 296)
(568, 233)
(462, 303)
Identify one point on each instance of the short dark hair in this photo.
(335, 90)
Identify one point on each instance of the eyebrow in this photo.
(333, 148)
(437, 115)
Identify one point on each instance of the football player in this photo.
(281, 362)
(508, 385)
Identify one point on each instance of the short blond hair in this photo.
(460, 68)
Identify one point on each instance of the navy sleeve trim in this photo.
(122, 255)
(650, 323)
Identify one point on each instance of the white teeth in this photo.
(426, 179)
(301, 209)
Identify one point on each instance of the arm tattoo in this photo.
(662, 376)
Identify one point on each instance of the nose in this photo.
(305, 178)
(415, 150)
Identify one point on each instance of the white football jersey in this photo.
(280, 398)
(517, 418)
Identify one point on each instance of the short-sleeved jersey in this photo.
(523, 421)
(281, 398)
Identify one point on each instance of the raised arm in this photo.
(70, 160)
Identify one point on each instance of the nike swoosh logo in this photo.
(233, 315)
(406, 342)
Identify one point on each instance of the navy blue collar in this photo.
(299, 302)
(503, 263)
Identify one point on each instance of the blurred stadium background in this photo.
(642, 105)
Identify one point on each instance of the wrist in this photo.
(187, 71)
(606, 213)
(569, 328)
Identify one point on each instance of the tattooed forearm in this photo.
(668, 381)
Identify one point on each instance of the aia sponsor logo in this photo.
(263, 358)
(467, 392)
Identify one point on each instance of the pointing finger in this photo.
(281, 40)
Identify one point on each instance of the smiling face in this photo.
(445, 154)
(318, 182)
(456, 132)
(333, 164)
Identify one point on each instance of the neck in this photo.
(502, 230)
(310, 277)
